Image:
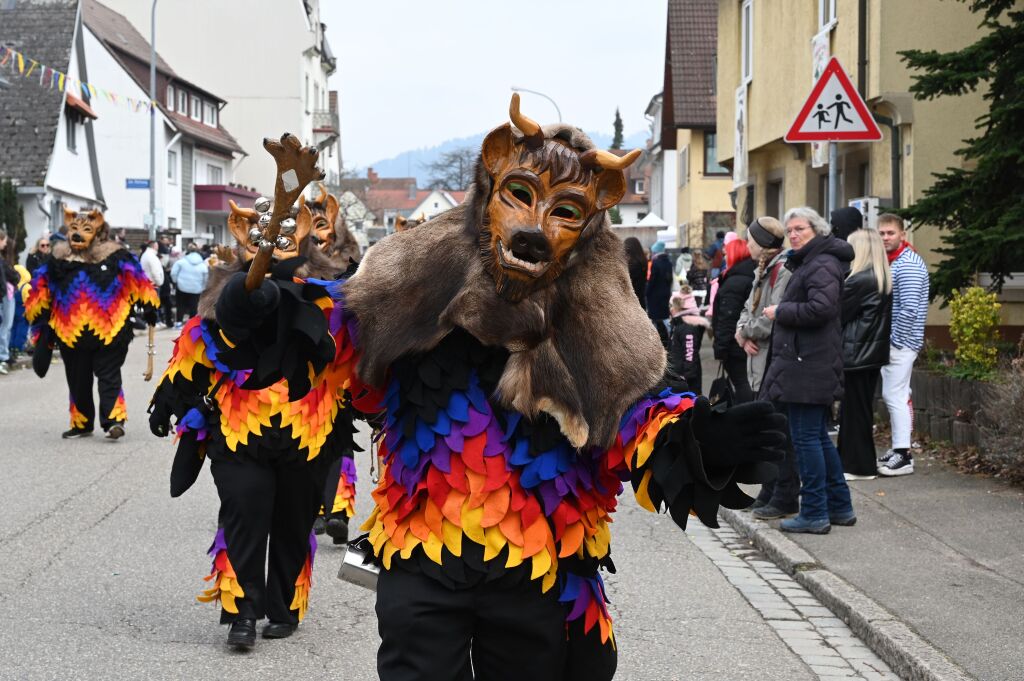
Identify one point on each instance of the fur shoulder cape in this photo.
(97, 251)
(581, 349)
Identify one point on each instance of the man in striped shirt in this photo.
(909, 311)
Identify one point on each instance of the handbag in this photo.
(720, 394)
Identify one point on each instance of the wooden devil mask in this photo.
(545, 196)
(84, 227)
(320, 216)
(241, 222)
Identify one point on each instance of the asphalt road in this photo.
(99, 569)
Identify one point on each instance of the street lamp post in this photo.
(516, 88)
(152, 123)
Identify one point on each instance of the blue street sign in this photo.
(136, 183)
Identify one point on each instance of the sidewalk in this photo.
(932, 575)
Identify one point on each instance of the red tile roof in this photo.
(691, 50)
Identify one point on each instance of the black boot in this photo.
(318, 525)
(279, 630)
(242, 633)
(337, 528)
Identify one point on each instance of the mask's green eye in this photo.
(521, 192)
(567, 211)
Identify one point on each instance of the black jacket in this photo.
(867, 322)
(659, 287)
(733, 289)
(684, 349)
(806, 363)
(638, 278)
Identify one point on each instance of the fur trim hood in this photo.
(98, 251)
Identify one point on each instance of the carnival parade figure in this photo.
(80, 302)
(329, 234)
(521, 386)
(272, 433)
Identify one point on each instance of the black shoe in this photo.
(898, 464)
(848, 520)
(242, 633)
(756, 505)
(115, 431)
(279, 630)
(318, 525)
(337, 527)
(769, 512)
(76, 433)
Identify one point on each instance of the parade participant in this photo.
(270, 440)
(80, 301)
(521, 388)
(328, 233)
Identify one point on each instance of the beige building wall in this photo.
(930, 131)
(698, 193)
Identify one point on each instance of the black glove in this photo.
(42, 355)
(747, 433)
(149, 314)
(239, 311)
(159, 417)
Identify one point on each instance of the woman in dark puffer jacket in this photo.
(867, 322)
(805, 369)
(734, 285)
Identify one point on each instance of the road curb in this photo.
(903, 649)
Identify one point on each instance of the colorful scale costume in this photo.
(266, 440)
(82, 307)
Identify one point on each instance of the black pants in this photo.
(431, 632)
(783, 493)
(188, 305)
(260, 502)
(856, 418)
(104, 362)
(736, 370)
(166, 308)
(662, 329)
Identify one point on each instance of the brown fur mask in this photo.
(581, 347)
(87, 237)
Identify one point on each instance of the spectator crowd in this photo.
(810, 315)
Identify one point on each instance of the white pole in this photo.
(152, 123)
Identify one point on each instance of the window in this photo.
(747, 40)
(71, 121)
(307, 94)
(316, 95)
(641, 215)
(822, 195)
(214, 174)
(773, 199)
(170, 97)
(684, 166)
(182, 102)
(864, 180)
(172, 166)
(638, 187)
(197, 108)
(172, 223)
(711, 165)
(826, 13)
(210, 113)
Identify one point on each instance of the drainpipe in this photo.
(862, 47)
(895, 157)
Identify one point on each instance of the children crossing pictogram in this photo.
(834, 112)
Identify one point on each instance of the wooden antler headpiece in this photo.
(606, 160)
(532, 133)
(323, 193)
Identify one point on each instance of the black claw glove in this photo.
(748, 433)
(149, 315)
(239, 311)
(159, 418)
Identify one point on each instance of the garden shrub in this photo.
(973, 327)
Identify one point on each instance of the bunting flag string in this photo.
(53, 79)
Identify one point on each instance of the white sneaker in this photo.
(898, 464)
(854, 476)
(885, 457)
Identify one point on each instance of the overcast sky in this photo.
(413, 73)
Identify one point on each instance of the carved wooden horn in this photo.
(529, 127)
(606, 160)
(323, 193)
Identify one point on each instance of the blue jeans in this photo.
(823, 489)
(6, 322)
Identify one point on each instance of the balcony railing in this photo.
(326, 121)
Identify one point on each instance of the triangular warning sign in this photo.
(834, 112)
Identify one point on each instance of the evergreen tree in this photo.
(614, 215)
(981, 204)
(617, 137)
(12, 215)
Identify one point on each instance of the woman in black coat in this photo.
(636, 262)
(734, 285)
(805, 369)
(659, 289)
(867, 323)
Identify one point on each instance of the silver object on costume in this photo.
(264, 221)
(254, 235)
(283, 242)
(357, 568)
(262, 204)
(288, 226)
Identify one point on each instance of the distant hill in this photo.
(411, 163)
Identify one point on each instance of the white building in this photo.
(195, 155)
(436, 202)
(268, 59)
